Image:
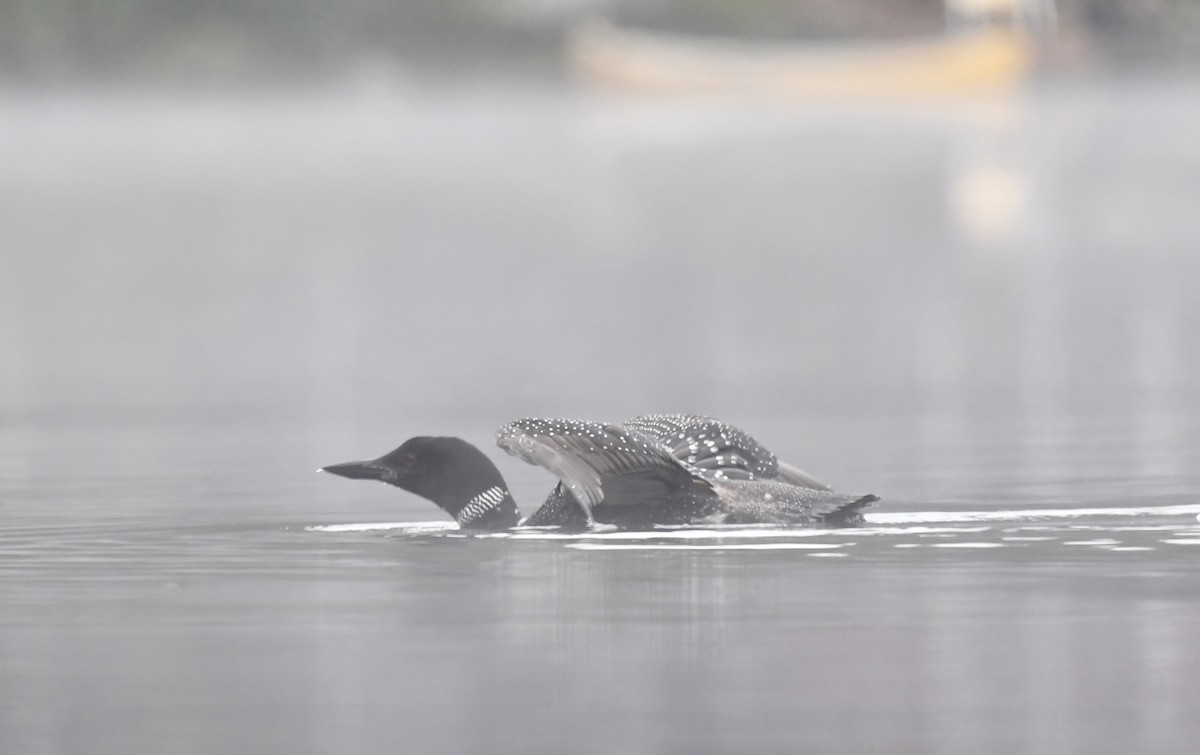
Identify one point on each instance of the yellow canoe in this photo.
(955, 64)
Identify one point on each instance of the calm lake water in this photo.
(985, 314)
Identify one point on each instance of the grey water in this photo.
(984, 313)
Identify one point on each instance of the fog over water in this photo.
(964, 308)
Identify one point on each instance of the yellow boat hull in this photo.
(952, 65)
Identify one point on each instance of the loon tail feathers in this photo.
(770, 501)
(850, 515)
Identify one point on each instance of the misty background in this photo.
(239, 241)
(215, 43)
(320, 215)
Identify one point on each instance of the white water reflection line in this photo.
(913, 518)
(1117, 528)
(917, 517)
(588, 546)
(410, 527)
(920, 531)
(707, 533)
(689, 533)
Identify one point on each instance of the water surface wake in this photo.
(946, 525)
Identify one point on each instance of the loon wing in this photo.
(597, 462)
(796, 476)
(719, 449)
(559, 510)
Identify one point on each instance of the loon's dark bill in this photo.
(355, 470)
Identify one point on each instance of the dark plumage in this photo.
(448, 471)
(656, 469)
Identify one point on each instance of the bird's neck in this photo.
(474, 492)
(492, 508)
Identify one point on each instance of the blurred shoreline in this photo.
(261, 45)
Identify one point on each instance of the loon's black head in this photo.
(452, 473)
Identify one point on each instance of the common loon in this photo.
(668, 469)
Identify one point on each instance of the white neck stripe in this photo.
(481, 504)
